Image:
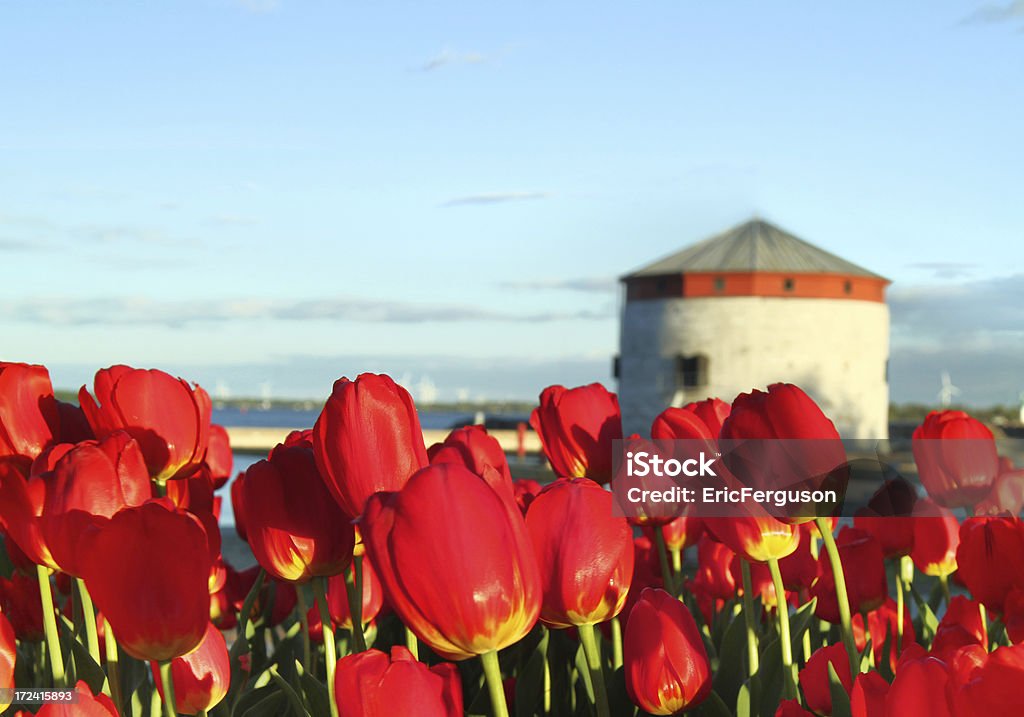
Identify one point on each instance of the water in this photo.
(306, 417)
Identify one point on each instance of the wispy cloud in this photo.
(996, 13)
(596, 284)
(448, 57)
(945, 269)
(237, 220)
(63, 311)
(20, 245)
(494, 198)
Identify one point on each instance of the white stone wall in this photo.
(835, 349)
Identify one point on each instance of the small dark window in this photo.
(848, 286)
(662, 287)
(616, 366)
(719, 283)
(788, 284)
(691, 371)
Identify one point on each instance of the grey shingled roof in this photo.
(753, 246)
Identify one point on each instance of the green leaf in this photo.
(264, 702)
(743, 701)
(530, 683)
(86, 668)
(770, 676)
(584, 671)
(713, 706)
(732, 664)
(840, 700)
(926, 621)
(799, 623)
(289, 692)
(317, 697)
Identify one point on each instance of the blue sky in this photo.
(257, 191)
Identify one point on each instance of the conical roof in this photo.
(755, 246)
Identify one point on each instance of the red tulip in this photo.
(337, 597)
(525, 490)
(84, 704)
(956, 458)
(758, 539)
(713, 576)
(74, 426)
(296, 531)
(480, 452)
(20, 602)
(148, 571)
(219, 458)
(576, 428)
(1006, 496)
(202, 677)
(29, 418)
(791, 708)
(666, 664)
(800, 568)
(761, 584)
(374, 684)
(867, 699)
(585, 554)
(991, 558)
(961, 626)
(455, 560)
(864, 571)
(168, 417)
(936, 537)
(646, 574)
(1013, 615)
(89, 484)
(814, 678)
(919, 689)
(238, 507)
(8, 655)
(985, 684)
(883, 629)
(887, 517)
(809, 457)
(681, 424)
(21, 504)
(280, 596)
(367, 439)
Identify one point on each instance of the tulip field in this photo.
(395, 579)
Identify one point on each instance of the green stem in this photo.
(53, 649)
(354, 588)
(168, 684)
(412, 643)
(546, 642)
(616, 643)
(899, 612)
(748, 618)
(92, 640)
(492, 672)
(944, 582)
(785, 640)
(842, 597)
(304, 626)
(666, 571)
(677, 560)
(331, 653)
(592, 651)
(113, 667)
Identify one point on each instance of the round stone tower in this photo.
(752, 306)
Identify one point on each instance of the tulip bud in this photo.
(367, 439)
(219, 458)
(984, 684)
(991, 558)
(202, 677)
(337, 596)
(487, 598)
(374, 683)
(814, 678)
(480, 452)
(867, 699)
(147, 570)
(961, 626)
(887, 517)
(168, 417)
(29, 417)
(83, 704)
(863, 570)
(936, 537)
(956, 458)
(20, 602)
(883, 631)
(666, 664)
(757, 539)
(919, 689)
(585, 553)
(295, 529)
(576, 428)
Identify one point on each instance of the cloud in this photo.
(66, 311)
(494, 198)
(447, 58)
(20, 245)
(996, 13)
(945, 269)
(236, 220)
(596, 284)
